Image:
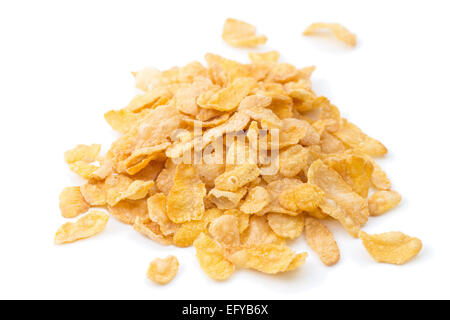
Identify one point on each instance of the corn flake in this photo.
(382, 201)
(85, 227)
(339, 31)
(211, 259)
(241, 34)
(72, 203)
(321, 240)
(391, 247)
(162, 271)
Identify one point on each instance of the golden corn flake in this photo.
(321, 240)
(241, 34)
(87, 226)
(259, 232)
(151, 230)
(339, 31)
(340, 202)
(303, 197)
(162, 271)
(267, 258)
(382, 201)
(355, 170)
(83, 153)
(72, 203)
(353, 137)
(269, 56)
(293, 160)
(157, 212)
(226, 199)
(83, 169)
(211, 259)
(229, 98)
(127, 211)
(286, 226)
(379, 178)
(257, 198)
(95, 192)
(225, 230)
(234, 179)
(243, 219)
(185, 199)
(391, 247)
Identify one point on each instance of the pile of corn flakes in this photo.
(237, 160)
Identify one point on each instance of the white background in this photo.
(64, 63)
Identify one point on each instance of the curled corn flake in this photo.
(379, 178)
(238, 177)
(83, 153)
(321, 240)
(94, 192)
(211, 259)
(151, 230)
(83, 169)
(259, 232)
(340, 202)
(355, 170)
(303, 197)
(85, 227)
(352, 136)
(298, 261)
(236, 123)
(243, 219)
(241, 34)
(229, 98)
(331, 144)
(209, 172)
(269, 56)
(157, 212)
(267, 258)
(162, 271)
(146, 77)
(72, 203)
(226, 199)
(339, 31)
(122, 120)
(185, 199)
(286, 226)
(391, 247)
(257, 198)
(225, 230)
(127, 211)
(382, 201)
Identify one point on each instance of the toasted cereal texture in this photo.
(241, 34)
(72, 203)
(127, 211)
(339, 31)
(303, 197)
(286, 226)
(225, 230)
(162, 271)
(211, 259)
(340, 201)
(157, 212)
(83, 153)
(382, 201)
(187, 232)
(321, 240)
(87, 226)
(257, 198)
(267, 258)
(259, 232)
(353, 137)
(151, 230)
(391, 247)
(226, 199)
(234, 179)
(185, 199)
